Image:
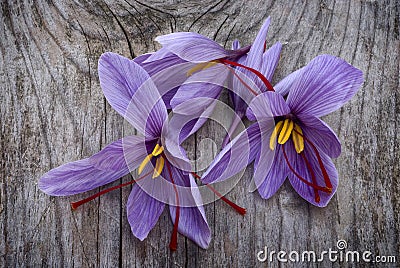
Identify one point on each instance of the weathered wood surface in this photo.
(53, 111)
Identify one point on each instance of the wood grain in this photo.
(53, 111)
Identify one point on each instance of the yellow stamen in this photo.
(286, 131)
(298, 139)
(144, 163)
(157, 150)
(201, 66)
(277, 129)
(159, 167)
(210, 64)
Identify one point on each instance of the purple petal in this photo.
(117, 80)
(159, 65)
(192, 126)
(147, 110)
(181, 126)
(245, 86)
(321, 135)
(235, 44)
(255, 55)
(77, 177)
(143, 211)
(237, 119)
(159, 55)
(167, 73)
(192, 220)
(284, 86)
(204, 84)
(254, 59)
(265, 157)
(167, 97)
(269, 181)
(189, 102)
(192, 47)
(178, 128)
(170, 75)
(270, 60)
(143, 58)
(323, 86)
(236, 155)
(238, 89)
(130, 91)
(176, 154)
(103, 167)
(267, 105)
(193, 224)
(115, 156)
(306, 191)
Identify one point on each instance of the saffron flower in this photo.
(195, 48)
(161, 162)
(300, 144)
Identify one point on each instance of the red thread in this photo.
(75, 205)
(262, 77)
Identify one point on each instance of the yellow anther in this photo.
(144, 163)
(201, 66)
(157, 150)
(275, 133)
(159, 164)
(298, 139)
(196, 68)
(159, 167)
(286, 131)
(210, 64)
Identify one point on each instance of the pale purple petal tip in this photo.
(270, 60)
(255, 55)
(77, 177)
(143, 212)
(192, 47)
(325, 84)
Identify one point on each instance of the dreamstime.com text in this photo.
(338, 254)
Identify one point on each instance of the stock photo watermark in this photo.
(340, 253)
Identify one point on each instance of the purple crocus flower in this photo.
(199, 49)
(299, 145)
(160, 160)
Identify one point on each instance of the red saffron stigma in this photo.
(173, 245)
(243, 82)
(321, 164)
(240, 210)
(75, 205)
(323, 189)
(262, 77)
(317, 197)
